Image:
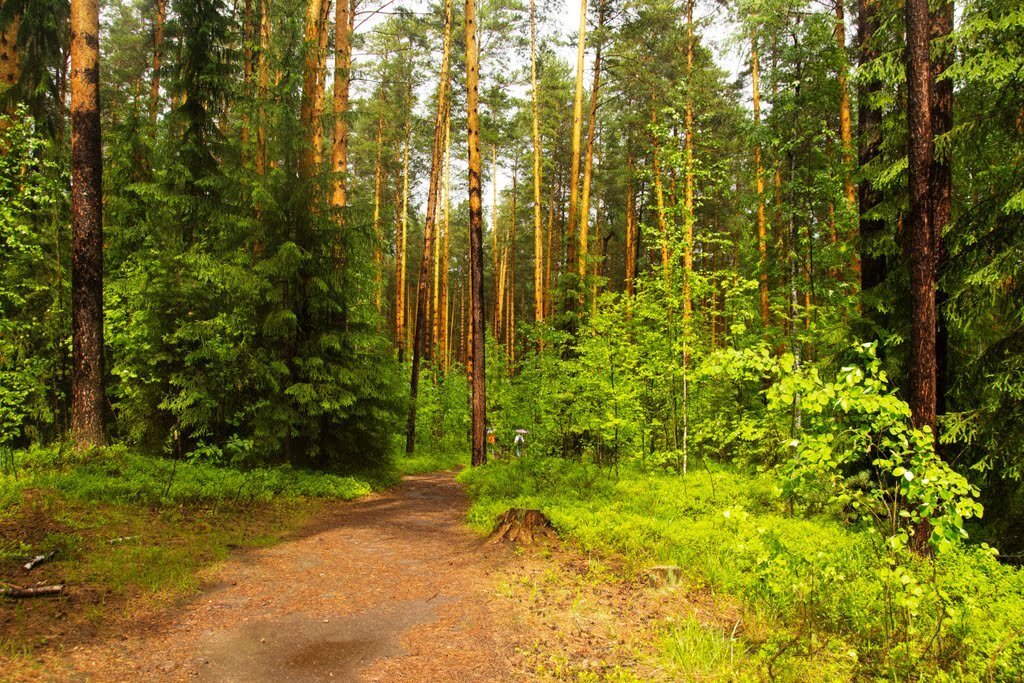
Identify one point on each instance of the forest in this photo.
(713, 308)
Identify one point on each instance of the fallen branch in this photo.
(38, 560)
(16, 593)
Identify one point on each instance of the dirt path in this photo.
(392, 587)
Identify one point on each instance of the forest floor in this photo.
(390, 587)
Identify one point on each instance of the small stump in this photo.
(522, 526)
(665, 575)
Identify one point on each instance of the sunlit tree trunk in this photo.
(419, 345)
(86, 228)
(158, 46)
(538, 232)
(845, 126)
(401, 250)
(445, 342)
(496, 252)
(762, 230)
(476, 252)
(378, 176)
(922, 241)
(577, 133)
(510, 334)
(551, 256)
(688, 161)
(311, 106)
(589, 160)
(343, 23)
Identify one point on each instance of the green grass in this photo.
(432, 460)
(820, 599)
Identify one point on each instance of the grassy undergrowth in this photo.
(822, 600)
(428, 459)
(132, 532)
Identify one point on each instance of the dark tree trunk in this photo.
(921, 239)
(941, 192)
(869, 125)
(476, 240)
(86, 228)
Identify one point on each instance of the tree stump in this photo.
(522, 527)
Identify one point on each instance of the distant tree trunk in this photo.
(378, 176)
(436, 160)
(589, 159)
(659, 197)
(688, 198)
(577, 133)
(631, 228)
(510, 335)
(158, 46)
(263, 87)
(343, 24)
(538, 231)
(762, 230)
(922, 241)
(445, 342)
(476, 237)
(86, 228)
(869, 125)
(496, 252)
(401, 248)
(552, 257)
(941, 191)
(845, 127)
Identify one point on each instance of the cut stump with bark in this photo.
(522, 526)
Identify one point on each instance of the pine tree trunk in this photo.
(158, 46)
(86, 228)
(762, 231)
(419, 345)
(343, 24)
(312, 90)
(476, 251)
(589, 159)
(577, 133)
(538, 232)
(378, 176)
(631, 228)
(688, 197)
(445, 340)
(401, 248)
(496, 251)
(659, 197)
(845, 127)
(263, 87)
(922, 241)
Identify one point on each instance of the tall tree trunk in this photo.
(538, 231)
(311, 105)
(631, 228)
(496, 252)
(552, 257)
(86, 228)
(401, 251)
(941, 191)
(445, 341)
(845, 127)
(577, 133)
(688, 199)
(248, 34)
(343, 25)
(158, 46)
(762, 230)
(510, 335)
(263, 87)
(476, 238)
(922, 241)
(426, 266)
(659, 197)
(589, 160)
(869, 126)
(378, 175)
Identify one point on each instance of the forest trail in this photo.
(391, 587)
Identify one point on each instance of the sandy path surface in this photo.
(392, 587)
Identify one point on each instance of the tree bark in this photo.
(343, 25)
(845, 127)
(426, 265)
(588, 163)
(311, 105)
(922, 241)
(263, 87)
(401, 248)
(86, 228)
(941, 191)
(577, 132)
(538, 231)
(688, 196)
(631, 229)
(378, 176)
(762, 231)
(476, 238)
